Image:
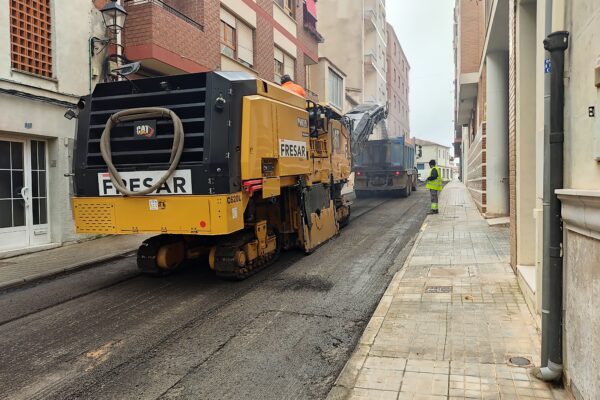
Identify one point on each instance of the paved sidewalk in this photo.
(450, 319)
(30, 267)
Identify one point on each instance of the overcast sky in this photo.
(424, 28)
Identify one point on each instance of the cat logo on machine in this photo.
(236, 198)
(292, 148)
(145, 129)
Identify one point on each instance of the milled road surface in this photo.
(285, 333)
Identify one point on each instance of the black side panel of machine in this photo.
(209, 105)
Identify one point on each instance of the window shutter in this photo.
(227, 17)
(279, 55)
(289, 66)
(245, 44)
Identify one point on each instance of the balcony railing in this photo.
(370, 60)
(370, 16)
(165, 6)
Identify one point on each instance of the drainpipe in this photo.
(546, 183)
(556, 43)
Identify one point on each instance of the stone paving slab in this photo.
(30, 267)
(450, 320)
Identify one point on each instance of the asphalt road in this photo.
(285, 333)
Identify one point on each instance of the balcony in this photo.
(310, 25)
(164, 37)
(370, 17)
(370, 60)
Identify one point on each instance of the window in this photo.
(335, 88)
(30, 36)
(284, 64)
(421, 166)
(237, 39)
(287, 5)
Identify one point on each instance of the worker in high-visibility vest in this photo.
(288, 84)
(435, 185)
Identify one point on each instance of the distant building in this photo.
(355, 41)
(398, 70)
(433, 151)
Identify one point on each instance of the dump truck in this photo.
(218, 166)
(385, 166)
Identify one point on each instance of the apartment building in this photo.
(356, 40)
(434, 151)
(266, 38)
(44, 64)
(481, 127)
(398, 70)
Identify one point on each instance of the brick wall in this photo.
(264, 43)
(471, 35)
(151, 25)
(512, 132)
(309, 41)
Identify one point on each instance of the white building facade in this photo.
(45, 66)
(433, 151)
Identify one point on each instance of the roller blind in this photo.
(289, 66)
(245, 43)
(279, 55)
(227, 17)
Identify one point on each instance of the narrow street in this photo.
(287, 332)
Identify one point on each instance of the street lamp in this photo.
(114, 16)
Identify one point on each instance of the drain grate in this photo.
(438, 289)
(519, 361)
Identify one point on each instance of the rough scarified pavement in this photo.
(109, 333)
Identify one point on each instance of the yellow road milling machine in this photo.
(220, 166)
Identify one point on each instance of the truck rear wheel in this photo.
(403, 193)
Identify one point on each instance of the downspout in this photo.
(546, 182)
(556, 43)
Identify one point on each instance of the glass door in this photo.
(23, 194)
(13, 224)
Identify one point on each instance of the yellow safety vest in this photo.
(436, 184)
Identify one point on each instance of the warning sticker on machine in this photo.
(180, 183)
(292, 148)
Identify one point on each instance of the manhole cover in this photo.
(519, 361)
(438, 289)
